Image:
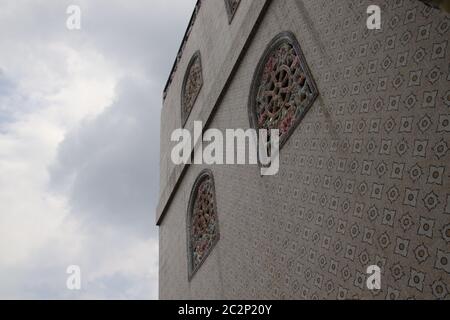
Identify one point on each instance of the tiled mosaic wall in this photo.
(364, 179)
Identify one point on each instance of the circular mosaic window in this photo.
(283, 89)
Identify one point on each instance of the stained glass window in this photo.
(193, 81)
(283, 89)
(203, 226)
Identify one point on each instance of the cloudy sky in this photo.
(79, 143)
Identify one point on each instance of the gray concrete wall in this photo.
(311, 231)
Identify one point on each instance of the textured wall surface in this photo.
(364, 179)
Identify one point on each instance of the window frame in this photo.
(204, 174)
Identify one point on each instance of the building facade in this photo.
(364, 118)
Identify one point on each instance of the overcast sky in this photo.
(79, 144)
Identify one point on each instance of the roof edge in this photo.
(182, 46)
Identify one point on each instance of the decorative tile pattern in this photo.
(364, 179)
(192, 84)
(373, 169)
(203, 227)
(232, 6)
(283, 89)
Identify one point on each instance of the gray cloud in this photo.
(6, 85)
(143, 34)
(6, 89)
(112, 161)
(12, 102)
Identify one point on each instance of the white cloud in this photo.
(79, 126)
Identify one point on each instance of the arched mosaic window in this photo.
(232, 6)
(203, 224)
(192, 83)
(283, 89)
